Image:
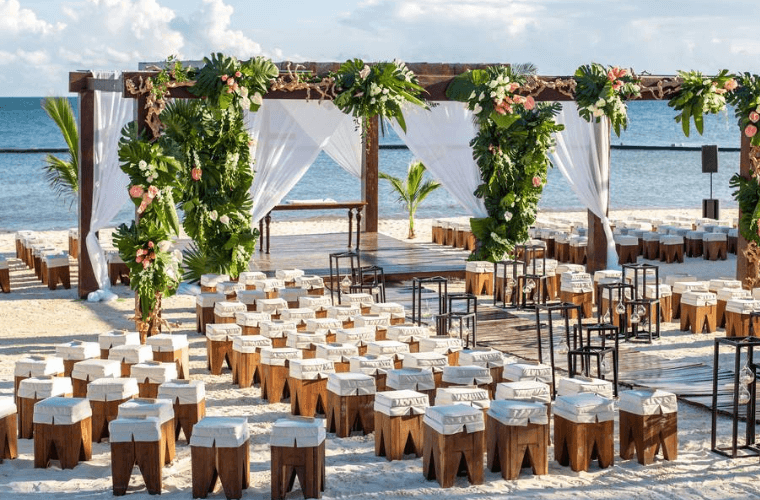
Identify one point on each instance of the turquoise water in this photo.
(639, 178)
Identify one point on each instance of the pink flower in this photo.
(750, 130)
(536, 181)
(152, 192)
(514, 86)
(150, 244)
(611, 75)
(230, 81)
(530, 103)
(196, 173)
(136, 191)
(142, 207)
(145, 264)
(617, 85)
(224, 78)
(501, 110)
(139, 259)
(730, 85)
(238, 74)
(507, 108)
(754, 116)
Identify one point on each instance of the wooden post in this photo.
(596, 250)
(742, 269)
(370, 176)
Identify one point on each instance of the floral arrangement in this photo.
(380, 90)
(603, 91)
(746, 101)
(511, 150)
(224, 80)
(699, 95)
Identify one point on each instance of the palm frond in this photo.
(524, 68)
(63, 174)
(412, 190)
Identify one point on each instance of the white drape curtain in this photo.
(440, 138)
(583, 156)
(345, 144)
(288, 135)
(109, 193)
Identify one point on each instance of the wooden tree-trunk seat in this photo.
(75, 351)
(137, 442)
(219, 338)
(396, 311)
(479, 278)
(431, 361)
(443, 344)
(89, 370)
(724, 295)
(681, 285)
(152, 374)
(297, 450)
(298, 315)
(58, 271)
(409, 335)
(204, 309)
(249, 298)
(219, 448)
(578, 250)
(188, 399)
(562, 248)
(648, 423)
(307, 381)
(129, 355)
(172, 348)
(5, 276)
(414, 380)
(307, 342)
(671, 248)
(73, 242)
(270, 287)
(160, 409)
(529, 391)
(230, 290)
(437, 231)
(715, 246)
(275, 363)
(246, 353)
(488, 358)
(474, 397)
(277, 331)
(249, 321)
(249, 279)
(738, 319)
(318, 304)
(105, 396)
(32, 390)
(651, 246)
(8, 424)
(62, 429)
(116, 338)
(209, 282)
(583, 431)
(358, 336)
(224, 311)
(453, 444)
(36, 366)
(693, 244)
(578, 289)
(627, 248)
(518, 372)
(350, 404)
(291, 295)
(516, 435)
(698, 312)
(467, 375)
(376, 367)
(339, 354)
(390, 348)
(398, 423)
(117, 268)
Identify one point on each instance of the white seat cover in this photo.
(77, 350)
(276, 328)
(690, 286)
(141, 430)
(467, 375)
(522, 371)
(309, 282)
(305, 340)
(471, 396)
(271, 306)
(222, 332)
(387, 348)
(269, 284)
(251, 318)
(370, 364)
(584, 408)
(277, 356)
(168, 342)
(211, 280)
(116, 337)
(407, 333)
(742, 306)
(413, 379)
(453, 419)
(61, 411)
(154, 372)
(38, 366)
(250, 277)
(344, 312)
(91, 369)
(488, 358)
(699, 299)
(209, 299)
(162, 409)
(382, 319)
(311, 369)
(226, 309)
(249, 297)
(131, 354)
(395, 309)
(183, 391)
(298, 432)
(315, 303)
(351, 384)
(578, 385)
(298, 314)
(524, 390)
(44, 387)
(364, 299)
(442, 344)
(7, 407)
(357, 335)
(522, 413)
(288, 274)
(229, 288)
(337, 352)
(112, 389)
(648, 402)
(323, 325)
(478, 266)
(401, 403)
(220, 432)
(429, 360)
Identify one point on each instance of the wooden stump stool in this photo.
(583, 431)
(246, 354)
(681, 287)
(698, 312)
(62, 429)
(116, 338)
(58, 271)
(408, 334)
(219, 337)
(578, 250)
(224, 311)
(585, 385)
(715, 246)
(453, 444)
(738, 318)
(318, 303)
(671, 248)
(188, 398)
(32, 390)
(105, 396)
(390, 348)
(36, 366)
(298, 315)
(428, 361)
(117, 269)
(5, 276)
(314, 286)
(89, 370)
(306, 342)
(307, 381)
(443, 344)
(379, 321)
(129, 355)
(412, 379)
(170, 348)
(516, 436)
(339, 354)
(356, 336)
(74, 242)
(325, 325)
(363, 300)
(398, 423)
(350, 404)
(693, 243)
(651, 246)
(580, 296)
(291, 295)
(627, 248)
(74, 351)
(8, 439)
(345, 313)
(724, 295)
(518, 372)
(219, 448)
(527, 390)
(470, 375)
(249, 298)
(273, 305)
(469, 396)
(277, 331)
(394, 309)
(648, 422)
(152, 374)
(666, 301)
(204, 309)
(230, 290)
(488, 358)
(374, 366)
(160, 409)
(136, 441)
(249, 321)
(209, 282)
(479, 278)
(249, 279)
(274, 372)
(298, 450)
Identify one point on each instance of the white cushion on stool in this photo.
(249, 297)
(61, 411)
(663, 289)
(311, 369)
(672, 279)
(316, 303)
(304, 340)
(584, 408)
(154, 372)
(351, 384)
(292, 294)
(388, 348)
(382, 319)
(523, 371)
(7, 407)
(222, 331)
(401, 403)
(271, 306)
(577, 385)
(699, 299)
(288, 274)
(323, 325)
(220, 432)
(719, 283)
(487, 358)
(298, 314)
(226, 309)
(211, 280)
(413, 379)
(364, 299)
(112, 389)
(344, 312)
(524, 390)
(471, 396)
(38, 366)
(276, 328)
(269, 284)
(370, 364)
(91, 369)
(162, 409)
(44, 387)
(407, 333)
(467, 375)
(648, 402)
(570, 268)
(209, 299)
(250, 277)
(394, 309)
(671, 239)
(726, 294)
(229, 288)
(77, 350)
(625, 240)
(131, 353)
(276, 356)
(3, 263)
(742, 306)
(430, 360)
(453, 419)
(442, 344)
(295, 432)
(357, 335)
(115, 337)
(183, 391)
(251, 318)
(57, 260)
(166, 342)
(309, 282)
(715, 237)
(608, 276)
(337, 352)
(478, 266)
(519, 413)
(140, 430)
(689, 286)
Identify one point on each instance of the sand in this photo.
(34, 319)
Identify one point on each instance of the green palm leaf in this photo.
(63, 174)
(412, 190)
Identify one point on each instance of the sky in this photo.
(41, 41)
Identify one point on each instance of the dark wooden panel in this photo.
(87, 282)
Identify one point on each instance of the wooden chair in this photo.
(219, 448)
(140, 442)
(350, 403)
(62, 429)
(583, 431)
(297, 450)
(517, 435)
(453, 444)
(648, 422)
(398, 423)
(188, 398)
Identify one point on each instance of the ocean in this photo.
(639, 178)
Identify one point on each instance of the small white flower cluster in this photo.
(149, 171)
(232, 160)
(403, 70)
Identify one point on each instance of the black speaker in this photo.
(711, 209)
(709, 159)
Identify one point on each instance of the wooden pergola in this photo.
(433, 77)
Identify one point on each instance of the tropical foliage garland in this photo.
(746, 101)
(603, 91)
(511, 150)
(700, 95)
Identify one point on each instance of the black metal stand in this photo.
(418, 285)
(468, 323)
(509, 276)
(616, 293)
(586, 351)
(564, 309)
(335, 273)
(641, 276)
(371, 279)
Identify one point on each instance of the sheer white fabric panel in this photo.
(583, 156)
(440, 138)
(109, 192)
(345, 144)
(288, 136)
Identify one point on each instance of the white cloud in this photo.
(210, 30)
(14, 20)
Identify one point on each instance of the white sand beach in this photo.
(34, 319)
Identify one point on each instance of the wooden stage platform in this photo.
(400, 260)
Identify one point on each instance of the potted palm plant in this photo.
(412, 190)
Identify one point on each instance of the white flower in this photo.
(244, 91)
(477, 109)
(171, 273)
(508, 216)
(472, 96)
(482, 96)
(245, 103)
(385, 91)
(213, 215)
(636, 88)
(492, 83)
(142, 165)
(165, 245)
(493, 94)
(224, 219)
(598, 112)
(364, 73)
(600, 103)
(177, 255)
(258, 99)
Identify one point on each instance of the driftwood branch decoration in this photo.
(535, 86)
(292, 81)
(154, 105)
(752, 253)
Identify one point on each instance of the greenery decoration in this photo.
(511, 150)
(746, 101)
(365, 91)
(412, 190)
(601, 91)
(747, 195)
(63, 173)
(699, 95)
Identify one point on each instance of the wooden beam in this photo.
(87, 281)
(596, 249)
(370, 161)
(742, 266)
